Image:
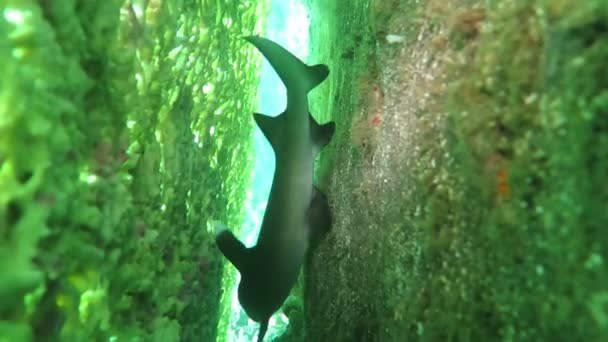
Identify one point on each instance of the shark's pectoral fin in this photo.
(232, 248)
(263, 328)
(272, 127)
(321, 134)
(317, 74)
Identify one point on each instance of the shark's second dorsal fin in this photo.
(321, 134)
(232, 248)
(272, 127)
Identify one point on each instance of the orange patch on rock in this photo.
(502, 184)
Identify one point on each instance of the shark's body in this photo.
(270, 268)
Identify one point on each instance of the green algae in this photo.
(113, 158)
(122, 134)
(494, 232)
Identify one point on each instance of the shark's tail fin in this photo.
(263, 328)
(290, 69)
(316, 74)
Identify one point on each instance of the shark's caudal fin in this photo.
(263, 328)
(232, 248)
(316, 74)
(290, 69)
(272, 127)
(321, 134)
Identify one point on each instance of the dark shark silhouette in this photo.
(295, 209)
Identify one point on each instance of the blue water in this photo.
(288, 26)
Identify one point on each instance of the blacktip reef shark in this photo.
(296, 209)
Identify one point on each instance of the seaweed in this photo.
(112, 160)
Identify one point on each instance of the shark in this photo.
(297, 211)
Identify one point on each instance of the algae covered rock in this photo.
(108, 166)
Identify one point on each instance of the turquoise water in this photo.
(288, 26)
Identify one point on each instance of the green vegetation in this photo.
(466, 175)
(123, 131)
(474, 210)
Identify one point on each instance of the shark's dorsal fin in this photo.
(272, 127)
(321, 134)
(319, 217)
(232, 248)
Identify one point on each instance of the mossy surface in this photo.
(468, 195)
(124, 129)
(466, 176)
